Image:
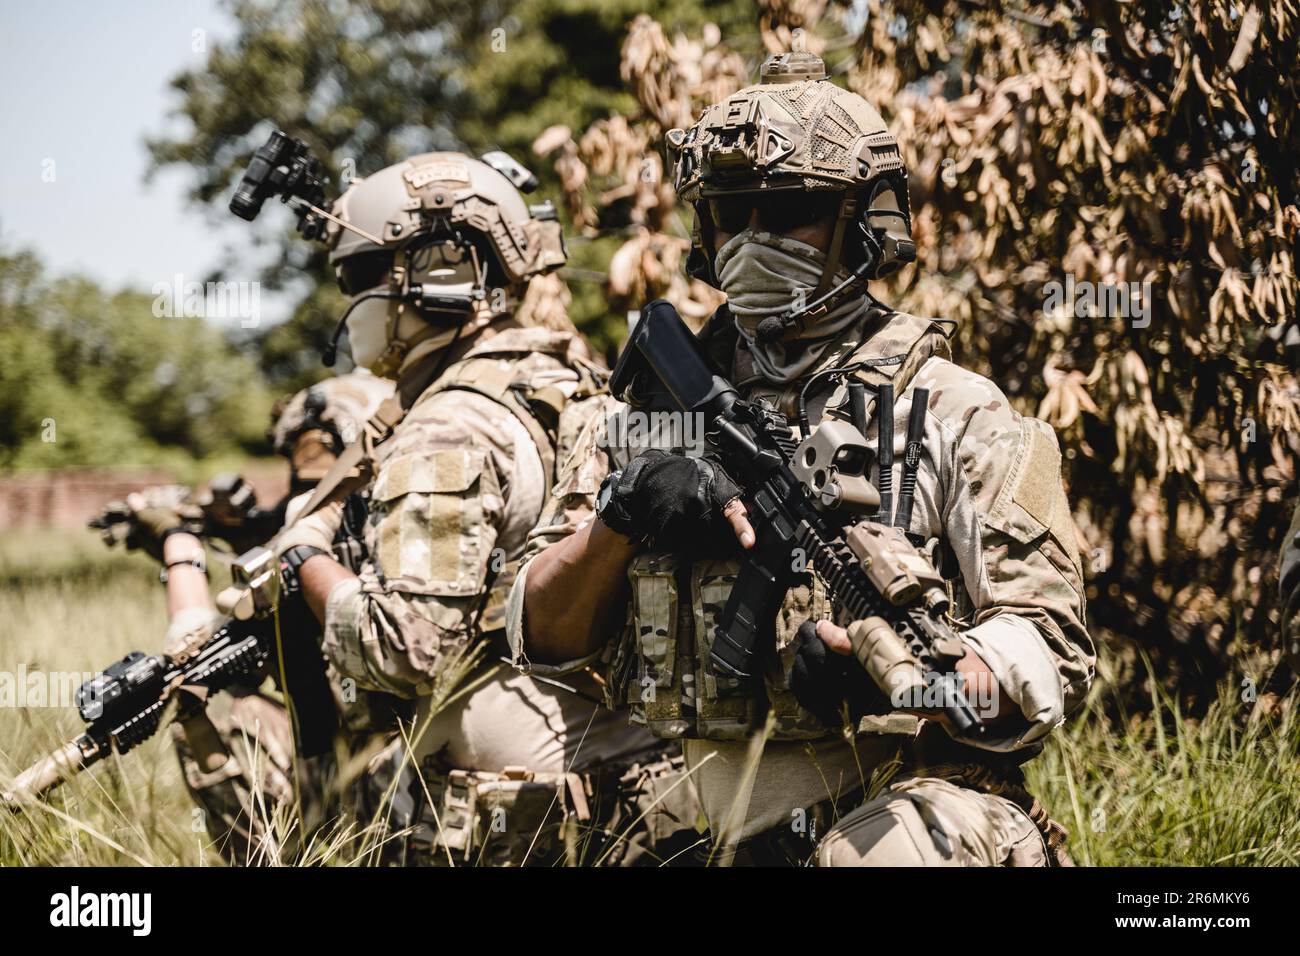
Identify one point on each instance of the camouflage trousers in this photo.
(920, 820)
(639, 813)
(238, 767)
(927, 821)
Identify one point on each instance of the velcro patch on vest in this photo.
(430, 537)
(443, 470)
(1039, 488)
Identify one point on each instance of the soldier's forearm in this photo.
(318, 575)
(187, 586)
(575, 593)
(1000, 713)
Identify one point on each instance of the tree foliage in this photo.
(96, 378)
(1113, 143)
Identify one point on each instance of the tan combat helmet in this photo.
(444, 234)
(312, 427)
(797, 137)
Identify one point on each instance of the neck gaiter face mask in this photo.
(763, 275)
(368, 329)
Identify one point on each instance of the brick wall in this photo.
(68, 498)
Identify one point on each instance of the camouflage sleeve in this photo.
(1008, 520)
(460, 478)
(572, 504)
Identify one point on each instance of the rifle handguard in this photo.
(45, 774)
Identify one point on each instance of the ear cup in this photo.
(699, 262)
(885, 223)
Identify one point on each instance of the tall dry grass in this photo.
(1163, 789)
(1156, 789)
(68, 605)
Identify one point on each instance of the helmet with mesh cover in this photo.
(795, 136)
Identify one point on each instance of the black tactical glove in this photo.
(823, 681)
(671, 502)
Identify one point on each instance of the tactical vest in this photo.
(551, 417)
(661, 669)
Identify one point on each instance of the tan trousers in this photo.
(923, 821)
(237, 765)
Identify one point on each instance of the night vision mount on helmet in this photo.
(438, 233)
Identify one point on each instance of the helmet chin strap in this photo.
(848, 208)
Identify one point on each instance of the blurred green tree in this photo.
(96, 378)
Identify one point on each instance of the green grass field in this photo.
(1160, 790)
(68, 604)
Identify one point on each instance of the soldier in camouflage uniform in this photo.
(800, 195)
(237, 755)
(312, 427)
(437, 252)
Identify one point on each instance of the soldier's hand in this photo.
(147, 517)
(316, 530)
(825, 676)
(113, 523)
(675, 503)
(980, 683)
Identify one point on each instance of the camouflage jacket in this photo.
(457, 488)
(989, 496)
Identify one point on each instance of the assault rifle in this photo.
(795, 492)
(124, 705)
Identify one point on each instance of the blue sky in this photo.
(84, 83)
